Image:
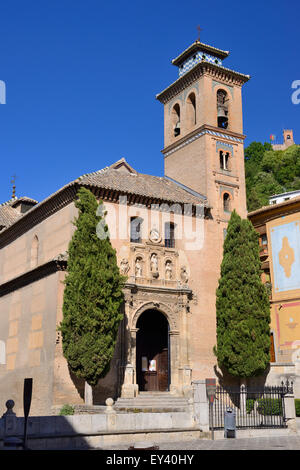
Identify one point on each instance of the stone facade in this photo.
(204, 181)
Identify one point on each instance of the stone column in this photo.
(174, 362)
(132, 359)
(201, 405)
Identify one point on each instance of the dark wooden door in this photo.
(163, 378)
(152, 353)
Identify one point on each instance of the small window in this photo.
(264, 240)
(34, 252)
(169, 235)
(222, 109)
(226, 202)
(176, 119)
(224, 160)
(191, 110)
(136, 229)
(2, 352)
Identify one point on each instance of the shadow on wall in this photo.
(110, 385)
(45, 432)
(94, 430)
(74, 431)
(227, 380)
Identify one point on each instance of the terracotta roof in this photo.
(273, 207)
(8, 216)
(131, 182)
(25, 199)
(8, 213)
(117, 178)
(201, 47)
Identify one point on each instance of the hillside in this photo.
(270, 172)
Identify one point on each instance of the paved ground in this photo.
(270, 442)
(263, 443)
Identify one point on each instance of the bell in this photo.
(222, 117)
(221, 112)
(177, 129)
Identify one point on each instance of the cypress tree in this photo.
(242, 304)
(93, 294)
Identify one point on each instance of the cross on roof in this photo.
(199, 30)
(13, 181)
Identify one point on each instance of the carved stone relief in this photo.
(124, 266)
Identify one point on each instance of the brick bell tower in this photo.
(203, 129)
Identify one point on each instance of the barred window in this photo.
(136, 229)
(169, 235)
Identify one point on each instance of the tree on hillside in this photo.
(270, 172)
(242, 304)
(93, 295)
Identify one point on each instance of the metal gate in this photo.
(254, 407)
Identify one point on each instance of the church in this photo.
(168, 232)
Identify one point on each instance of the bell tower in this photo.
(203, 129)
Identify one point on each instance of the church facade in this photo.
(168, 234)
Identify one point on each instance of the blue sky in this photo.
(81, 79)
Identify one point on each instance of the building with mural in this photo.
(168, 233)
(279, 229)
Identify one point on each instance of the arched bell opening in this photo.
(153, 352)
(176, 120)
(222, 109)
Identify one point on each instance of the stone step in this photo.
(153, 401)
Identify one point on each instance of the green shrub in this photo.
(270, 406)
(250, 405)
(67, 410)
(297, 406)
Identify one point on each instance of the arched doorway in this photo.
(153, 352)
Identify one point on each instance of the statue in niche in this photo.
(124, 266)
(154, 265)
(184, 275)
(138, 267)
(168, 270)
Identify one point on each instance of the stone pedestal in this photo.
(290, 412)
(129, 388)
(201, 405)
(10, 419)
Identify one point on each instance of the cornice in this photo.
(274, 211)
(38, 213)
(44, 270)
(199, 46)
(65, 196)
(203, 68)
(197, 133)
(142, 287)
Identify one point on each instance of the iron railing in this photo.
(254, 407)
